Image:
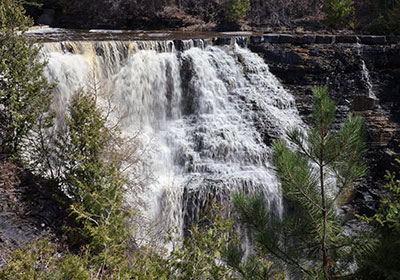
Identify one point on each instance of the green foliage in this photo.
(81, 146)
(91, 177)
(388, 215)
(95, 185)
(339, 13)
(41, 260)
(198, 256)
(384, 263)
(254, 267)
(386, 18)
(25, 94)
(236, 10)
(147, 264)
(210, 251)
(203, 250)
(321, 167)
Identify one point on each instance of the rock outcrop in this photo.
(362, 74)
(30, 208)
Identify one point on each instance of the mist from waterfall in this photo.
(205, 114)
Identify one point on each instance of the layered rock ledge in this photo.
(310, 39)
(47, 34)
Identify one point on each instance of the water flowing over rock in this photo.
(206, 113)
(362, 78)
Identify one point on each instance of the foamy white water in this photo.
(207, 115)
(365, 75)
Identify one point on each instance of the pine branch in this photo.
(297, 186)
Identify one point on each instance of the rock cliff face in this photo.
(362, 77)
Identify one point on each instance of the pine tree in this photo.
(317, 170)
(24, 92)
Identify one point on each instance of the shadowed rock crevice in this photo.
(30, 208)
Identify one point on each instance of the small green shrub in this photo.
(41, 260)
(339, 13)
(236, 10)
(384, 263)
(204, 249)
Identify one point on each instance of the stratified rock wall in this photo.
(302, 62)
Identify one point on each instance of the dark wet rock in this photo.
(241, 41)
(305, 39)
(373, 40)
(278, 54)
(271, 38)
(362, 103)
(179, 45)
(99, 50)
(197, 43)
(346, 39)
(324, 39)
(257, 39)
(223, 41)
(285, 39)
(392, 39)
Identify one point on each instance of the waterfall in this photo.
(206, 113)
(366, 78)
(365, 73)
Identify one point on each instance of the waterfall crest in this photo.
(207, 113)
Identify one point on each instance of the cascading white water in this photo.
(207, 115)
(365, 73)
(367, 79)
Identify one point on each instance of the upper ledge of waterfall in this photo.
(46, 34)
